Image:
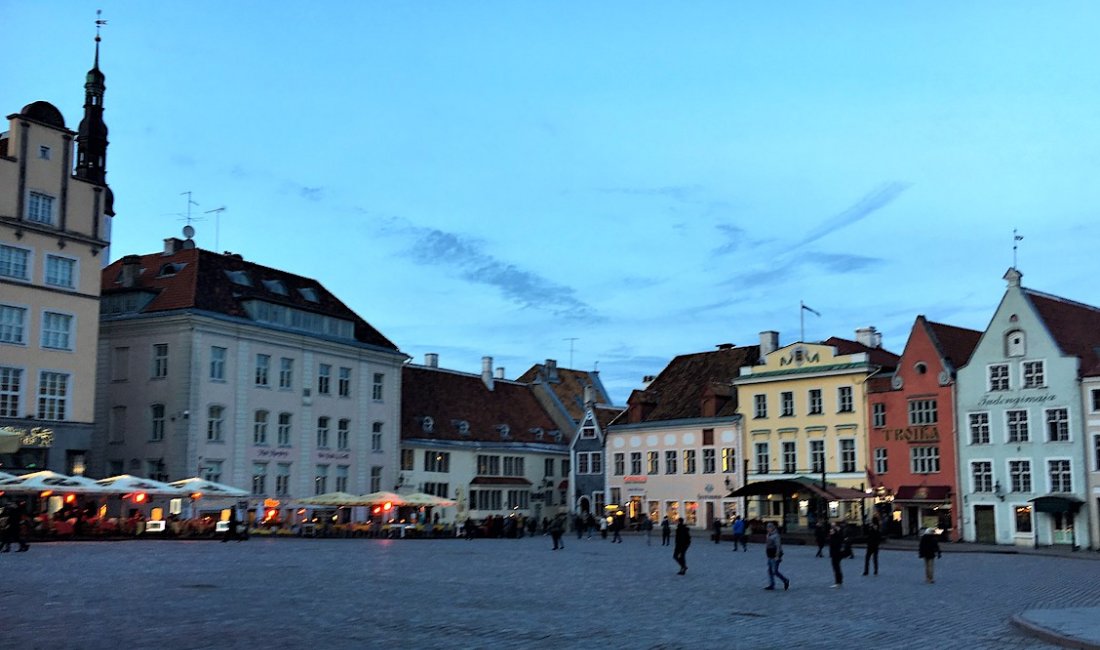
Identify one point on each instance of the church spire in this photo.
(91, 139)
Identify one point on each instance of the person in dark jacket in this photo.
(929, 551)
(838, 544)
(773, 549)
(821, 536)
(666, 531)
(683, 541)
(557, 527)
(874, 538)
(717, 530)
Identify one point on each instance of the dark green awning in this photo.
(1057, 503)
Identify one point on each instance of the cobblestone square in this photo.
(362, 593)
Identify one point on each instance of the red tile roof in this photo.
(568, 387)
(679, 391)
(200, 281)
(878, 356)
(450, 398)
(955, 344)
(1074, 326)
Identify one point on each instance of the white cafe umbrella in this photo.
(47, 480)
(208, 488)
(424, 499)
(125, 483)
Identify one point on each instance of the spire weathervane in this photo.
(1015, 241)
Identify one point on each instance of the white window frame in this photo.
(217, 362)
(157, 421)
(260, 419)
(817, 456)
(760, 406)
(689, 463)
(1064, 428)
(285, 429)
(815, 401)
(974, 475)
(324, 379)
(262, 376)
(786, 403)
(1030, 475)
(1033, 373)
(710, 463)
(13, 268)
(762, 457)
(845, 399)
(618, 461)
(789, 452)
(672, 464)
(11, 391)
(53, 263)
(286, 373)
(923, 411)
(993, 379)
(882, 461)
(378, 382)
(54, 388)
(1066, 476)
(1013, 429)
(40, 207)
(843, 464)
(13, 324)
(343, 382)
(323, 424)
(878, 415)
(924, 459)
(215, 423)
(636, 463)
(160, 361)
(983, 427)
(54, 337)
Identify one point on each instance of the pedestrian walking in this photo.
(929, 550)
(616, 530)
(578, 525)
(739, 537)
(603, 527)
(874, 538)
(590, 524)
(557, 528)
(13, 530)
(837, 551)
(666, 531)
(647, 526)
(717, 530)
(821, 536)
(773, 549)
(683, 541)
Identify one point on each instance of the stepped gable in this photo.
(955, 344)
(1075, 327)
(888, 361)
(192, 278)
(450, 398)
(680, 390)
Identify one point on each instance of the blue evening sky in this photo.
(649, 178)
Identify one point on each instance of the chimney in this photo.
(725, 346)
(487, 371)
(869, 337)
(500, 372)
(552, 370)
(589, 394)
(769, 342)
(431, 359)
(172, 245)
(131, 268)
(647, 380)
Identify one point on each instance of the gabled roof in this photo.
(887, 360)
(192, 278)
(1074, 326)
(680, 390)
(955, 344)
(452, 398)
(567, 385)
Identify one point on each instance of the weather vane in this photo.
(1016, 237)
(99, 22)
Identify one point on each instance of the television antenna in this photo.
(217, 225)
(571, 340)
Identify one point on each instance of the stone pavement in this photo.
(362, 593)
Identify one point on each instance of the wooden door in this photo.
(985, 525)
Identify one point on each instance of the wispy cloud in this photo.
(677, 192)
(468, 257)
(876, 199)
(734, 237)
(311, 193)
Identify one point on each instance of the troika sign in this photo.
(913, 434)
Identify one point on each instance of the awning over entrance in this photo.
(937, 493)
(1057, 503)
(499, 480)
(803, 485)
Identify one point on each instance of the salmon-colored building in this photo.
(912, 438)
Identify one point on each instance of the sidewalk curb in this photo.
(1051, 636)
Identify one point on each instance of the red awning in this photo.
(564, 485)
(922, 493)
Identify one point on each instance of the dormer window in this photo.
(539, 433)
(275, 286)
(558, 437)
(427, 424)
(462, 426)
(239, 277)
(170, 269)
(309, 293)
(1015, 344)
(505, 431)
(921, 368)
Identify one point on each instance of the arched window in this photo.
(1015, 344)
